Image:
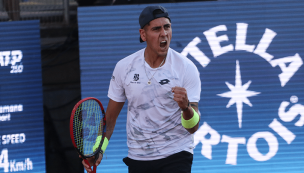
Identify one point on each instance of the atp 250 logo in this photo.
(12, 58)
(238, 94)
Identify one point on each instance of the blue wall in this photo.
(249, 54)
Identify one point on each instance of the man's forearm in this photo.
(188, 114)
(110, 128)
(112, 113)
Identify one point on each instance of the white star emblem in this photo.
(238, 93)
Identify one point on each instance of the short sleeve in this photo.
(192, 83)
(116, 89)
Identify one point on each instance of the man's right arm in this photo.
(112, 113)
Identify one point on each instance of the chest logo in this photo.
(136, 77)
(164, 81)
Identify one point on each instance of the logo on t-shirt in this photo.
(164, 81)
(136, 77)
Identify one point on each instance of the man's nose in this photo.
(163, 32)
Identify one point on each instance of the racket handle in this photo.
(87, 162)
(94, 169)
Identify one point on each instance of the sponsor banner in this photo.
(21, 109)
(250, 58)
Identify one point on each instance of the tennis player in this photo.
(163, 90)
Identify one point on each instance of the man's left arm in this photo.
(189, 109)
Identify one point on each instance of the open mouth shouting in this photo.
(163, 44)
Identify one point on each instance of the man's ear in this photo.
(142, 33)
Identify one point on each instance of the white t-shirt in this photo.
(154, 129)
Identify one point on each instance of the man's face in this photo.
(158, 36)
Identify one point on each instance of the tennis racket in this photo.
(87, 128)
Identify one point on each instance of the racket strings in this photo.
(88, 121)
(77, 128)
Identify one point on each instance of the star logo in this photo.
(238, 94)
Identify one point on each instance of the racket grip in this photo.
(94, 169)
(87, 162)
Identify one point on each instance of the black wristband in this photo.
(187, 106)
(101, 152)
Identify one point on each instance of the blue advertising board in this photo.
(250, 58)
(21, 104)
